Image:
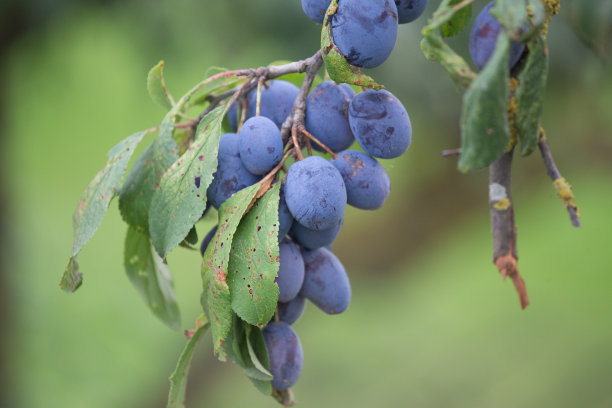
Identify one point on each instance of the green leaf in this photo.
(458, 21)
(151, 277)
(157, 87)
(178, 379)
(434, 48)
(192, 236)
(180, 199)
(94, 204)
(337, 67)
(137, 192)
(253, 263)
(216, 299)
(484, 120)
(512, 14)
(72, 277)
(530, 95)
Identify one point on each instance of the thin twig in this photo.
(502, 223)
(564, 190)
(296, 144)
(306, 133)
(450, 152)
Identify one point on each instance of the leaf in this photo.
(192, 236)
(458, 21)
(94, 204)
(180, 199)
(178, 379)
(337, 67)
(216, 300)
(72, 277)
(237, 344)
(253, 263)
(157, 87)
(512, 14)
(434, 48)
(484, 120)
(151, 277)
(530, 95)
(137, 192)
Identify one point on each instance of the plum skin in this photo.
(380, 124)
(326, 283)
(285, 354)
(315, 193)
(260, 145)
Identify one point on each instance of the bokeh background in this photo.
(431, 323)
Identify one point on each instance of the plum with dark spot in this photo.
(326, 283)
(290, 270)
(231, 175)
(483, 39)
(277, 99)
(367, 183)
(260, 145)
(291, 311)
(380, 123)
(315, 193)
(315, 9)
(365, 31)
(313, 239)
(409, 10)
(285, 219)
(207, 239)
(327, 116)
(285, 354)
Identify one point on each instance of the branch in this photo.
(502, 223)
(564, 190)
(296, 117)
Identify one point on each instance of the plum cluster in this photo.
(314, 194)
(365, 31)
(351, 131)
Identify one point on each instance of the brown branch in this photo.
(296, 117)
(564, 190)
(503, 227)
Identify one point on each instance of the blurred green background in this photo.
(431, 323)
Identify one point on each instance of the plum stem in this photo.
(306, 133)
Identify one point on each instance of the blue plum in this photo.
(380, 123)
(207, 239)
(291, 311)
(367, 183)
(327, 116)
(285, 354)
(326, 283)
(409, 10)
(285, 219)
(365, 31)
(315, 9)
(313, 239)
(290, 271)
(260, 145)
(483, 39)
(315, 193)
(231, 175)
(276, 103)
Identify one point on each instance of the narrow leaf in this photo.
(151, 277)
(178, 379)
(157, 87)
(257, 350)
(216, 300)
(253, 263)
(512, 14)
(458, 21)
(180, 199)
(237, 345)
(484, 120)
(72, 277)
(192, 236)
(137, 192)
(530, 95)
(94, 204)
